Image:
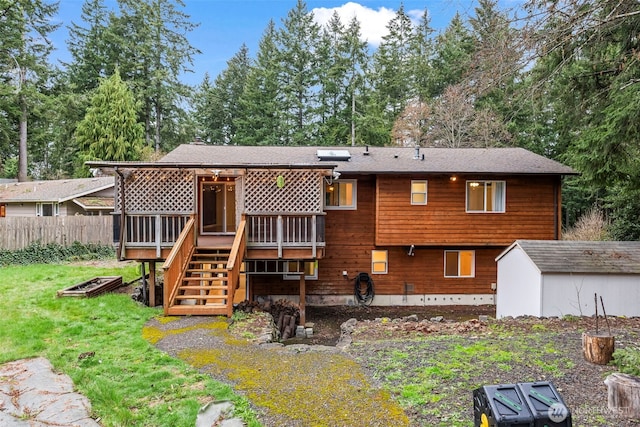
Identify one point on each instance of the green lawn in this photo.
(129, 382)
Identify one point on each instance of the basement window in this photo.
(379, 262)
(293, 269)
(459, 263)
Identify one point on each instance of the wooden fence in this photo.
(20, 232)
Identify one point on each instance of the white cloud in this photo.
(373, 22)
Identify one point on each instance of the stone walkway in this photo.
(32, 395)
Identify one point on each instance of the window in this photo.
(379, 262)
(459, 263)
(294, 268)
(418, 192)
(3, 210)
(341, 194)
(486, 196)
(47, 209)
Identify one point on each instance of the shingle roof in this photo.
(94, 203)
(373, 159)
(567, 256)
(54, 190)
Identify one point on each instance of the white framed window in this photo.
(459, 263)
(293, 269)
(341, 194)
(379, 262)
(418, 192)
(47, 209)
(486, 196)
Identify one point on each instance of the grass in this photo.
(128, 381)
(435, 376)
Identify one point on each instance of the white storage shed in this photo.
(547, 278)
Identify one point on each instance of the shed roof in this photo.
(373, 159)
(59, 190)
(567, 256)
(361, 159)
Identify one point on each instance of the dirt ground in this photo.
(327, 320)
(432, 367)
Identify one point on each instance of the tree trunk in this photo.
(598, 349)
(22, 147)
(624, 395)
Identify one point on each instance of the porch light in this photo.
(453, 178)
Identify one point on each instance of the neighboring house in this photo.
(425, 225)
(559, 278)
(64, 197)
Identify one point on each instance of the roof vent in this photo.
(336, 155)
(366, 150)
(416, 155)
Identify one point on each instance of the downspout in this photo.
(556, 208)
(122, 216)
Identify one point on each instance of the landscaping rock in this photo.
(217, 414)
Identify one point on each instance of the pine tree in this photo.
(298, 78)
(258, 118)
(110, 129)
(24, 27)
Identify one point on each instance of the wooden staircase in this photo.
(204, 287)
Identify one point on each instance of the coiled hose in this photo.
(367, 297)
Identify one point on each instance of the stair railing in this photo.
(178, 260)
(235, 262)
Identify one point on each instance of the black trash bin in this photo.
(500, 406)
(536, 404)
(546, 404)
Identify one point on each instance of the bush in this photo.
(52, 253)
(627, 360)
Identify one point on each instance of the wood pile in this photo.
(285, 313)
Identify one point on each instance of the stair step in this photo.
(205, 279)
(198, 310)
(201, 297)
(207, 270)
(203, 288)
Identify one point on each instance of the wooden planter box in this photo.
(92, 287)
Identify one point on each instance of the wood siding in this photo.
(18, 233)
(385, 220)
(531, 213)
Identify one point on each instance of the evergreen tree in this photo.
(110, 130)
(153, 34)
(298, 78)
(258, 118)
(452, 59)
(24, 28)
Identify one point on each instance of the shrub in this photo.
(37, 253)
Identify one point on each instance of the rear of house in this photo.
(424, 226)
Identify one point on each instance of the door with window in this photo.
(218, 207)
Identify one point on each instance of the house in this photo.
(407, 226)
(65, 197)
(556, 278)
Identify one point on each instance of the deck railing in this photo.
(178, 259)
(153, 230)
(234, 263)
(286, 231)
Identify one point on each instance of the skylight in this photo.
(336, 155)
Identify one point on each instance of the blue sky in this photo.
(226, 24)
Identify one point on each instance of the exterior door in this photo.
(218, 204)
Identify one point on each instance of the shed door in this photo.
(218, 206)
